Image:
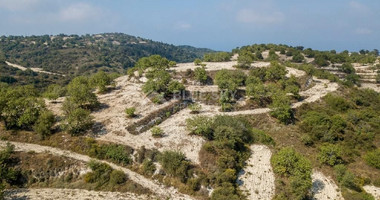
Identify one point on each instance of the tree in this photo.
(229, 80)
(200, 74)
(54, 91)
(81, 94)
(298, 58)
(158, 82)
(78, 121)
(347, 68)
(20, 107)
(281, 108)
(100, 80)
(175, 87)
(275, 72)
(44, 124)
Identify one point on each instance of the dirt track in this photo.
(258, 178)
(70, 194)
(157, 188)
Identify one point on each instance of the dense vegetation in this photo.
(74, 54)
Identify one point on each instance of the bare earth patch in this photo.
(258, 178)
(374, 191)
(324, 188)
(176, 137)
(69, 194)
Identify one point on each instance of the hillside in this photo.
(74, 54)
(260, 122)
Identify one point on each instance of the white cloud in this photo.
(79, 12)
(253, 16)
(363, 31)
(19, 5)
(183, 26)
(359, 7)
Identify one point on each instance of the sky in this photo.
(215, 24)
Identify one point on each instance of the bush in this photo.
(229, 80)
(175, 87)
(44, 123)
(201, 126)
(225, 192)
(330, 154)
(349, 180)
(298, 58)
(197, 62)
(78, 121)
(200, 74)
(217, 57)
(275, 72)
(281, 108)
(337, 103)
(54, 92)
(373, 158)
(288, 162)
(81, 94)
(157, 132)
(195, 108)
(174, 163)
(340, 171)
(347, 68)
(117, 177)
(100, 80)
(148, 167)
(130, 112)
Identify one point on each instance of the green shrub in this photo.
(225, 192)
(337, 103)
(298, 58)
(44, 124)
(78, 121)
(54, 91)
(197, 62)
(201, 126)
(275, 72)
(288, 162)
(340, 171)
(174, 163)
(280, 108)
(148, 167)
(330, 154)
(373, 158)
(100, 80)
(195, 108)
(229, 80)
(117, 177)
(349, 180)
(200, 74)
(81, 94)
(130, 112)
(157, 132)
(217, 57)
(175, 87)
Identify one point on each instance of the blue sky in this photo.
(216, 24)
